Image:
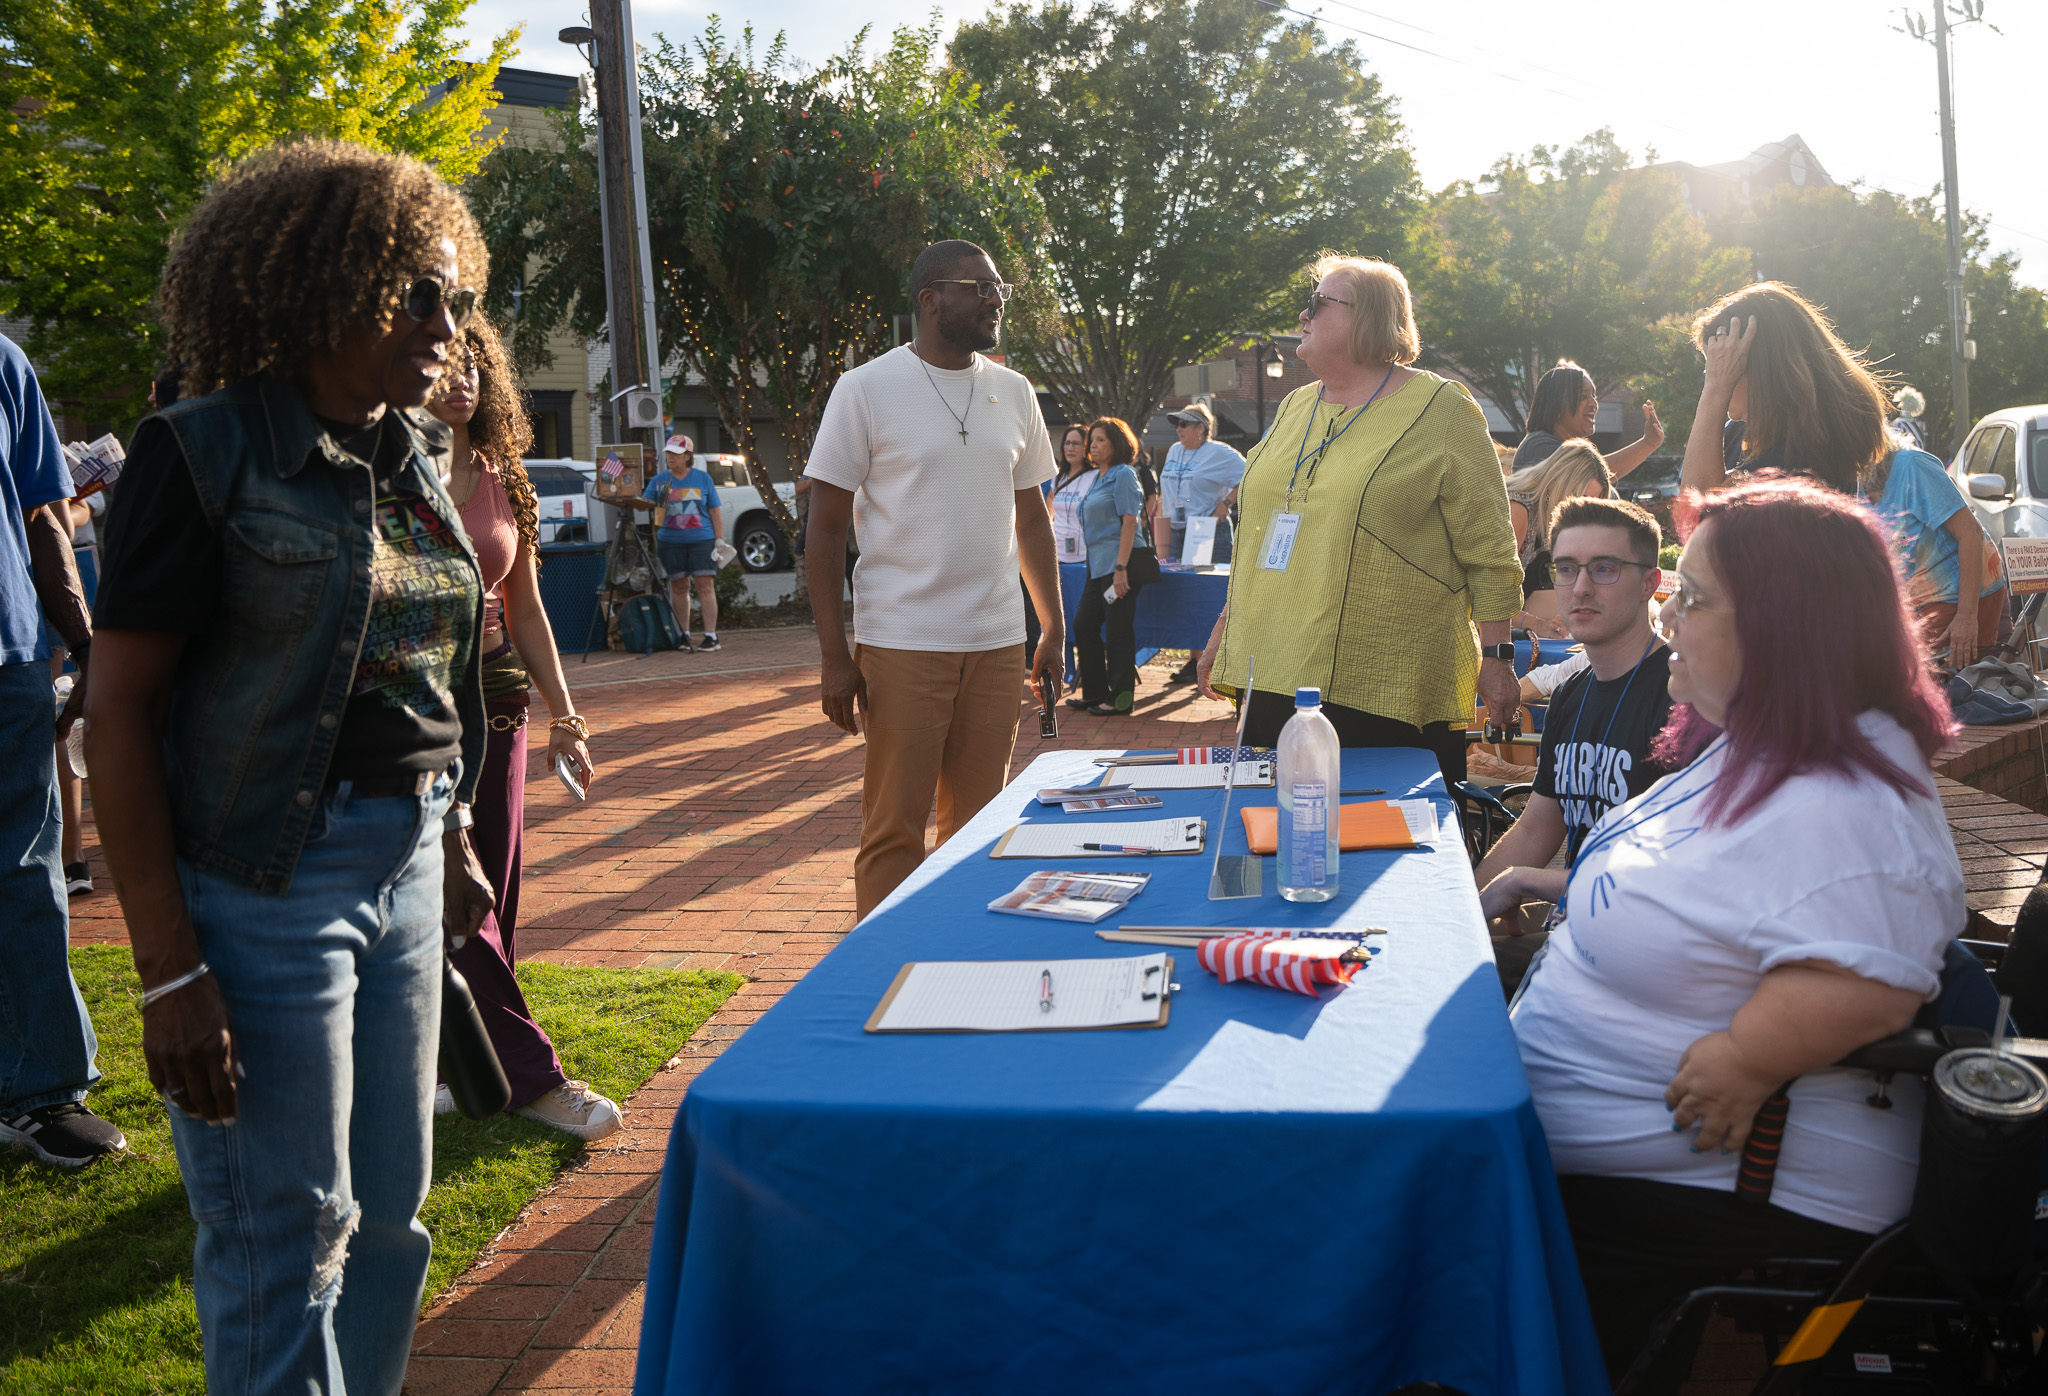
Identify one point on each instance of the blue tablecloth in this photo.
(1177, 612)
(1271, 1194)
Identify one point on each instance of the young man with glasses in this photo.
(1602, 721)
(936, 453)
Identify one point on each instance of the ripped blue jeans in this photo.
(310, 1257)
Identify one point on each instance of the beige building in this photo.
(563, 412)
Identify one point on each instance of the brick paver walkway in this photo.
(721, 834)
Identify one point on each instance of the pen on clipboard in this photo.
(1120, 848)
(1045, 991)
(1361, 792)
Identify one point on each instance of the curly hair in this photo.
(298, 246)
(501, 432)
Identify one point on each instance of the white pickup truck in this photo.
(564, 485)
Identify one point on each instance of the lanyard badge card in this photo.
(1280, 541)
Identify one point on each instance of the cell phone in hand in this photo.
(566, 774)
(1048, 714)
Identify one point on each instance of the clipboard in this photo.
(1069, 836)
(874, 1021)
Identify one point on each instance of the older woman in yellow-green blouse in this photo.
(1376, 560)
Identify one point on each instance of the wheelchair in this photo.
(1917, 1310)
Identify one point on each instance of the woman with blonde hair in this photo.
(1374, 539)
(1575, 468)
(1782, 392)
(480, 402)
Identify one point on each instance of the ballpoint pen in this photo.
(1119, 848)
(1045, 991)
(1361, 792)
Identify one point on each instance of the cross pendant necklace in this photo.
(960, 417)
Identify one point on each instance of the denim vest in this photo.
(260, 694)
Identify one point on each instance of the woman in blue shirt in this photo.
(1943, 555)
(1120, 562)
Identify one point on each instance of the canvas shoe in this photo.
(77, 879)
(576, 1109)
(66, 1134)
(708, 644)
(444, 1101)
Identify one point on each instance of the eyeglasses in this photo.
(1605, 571)
(1317, 300)
(427, 297)
(1685, 598)
(987, 290)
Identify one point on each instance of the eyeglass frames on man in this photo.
(987, 290)
(1317, 300)
(1605, 571)
(427, 297)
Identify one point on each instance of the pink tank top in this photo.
(494, 533)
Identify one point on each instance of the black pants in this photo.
(1270, 712)
(1643, 1246)
(1107, 673)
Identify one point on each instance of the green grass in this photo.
(95, 1266)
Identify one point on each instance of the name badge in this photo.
(1070, 547)
(1280, 541)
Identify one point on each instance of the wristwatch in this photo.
(1506, 652)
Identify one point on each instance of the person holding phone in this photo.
(480, 402)
(1120, 563)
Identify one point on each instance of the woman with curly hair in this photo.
(288, 717)
(1120, 563)
(480, 402)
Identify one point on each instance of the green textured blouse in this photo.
(1404, 542)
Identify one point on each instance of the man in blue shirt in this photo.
(47, 1043)
(692, 521)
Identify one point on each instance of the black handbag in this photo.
(1143, 568)
(469, 1064)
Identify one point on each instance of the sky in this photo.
(1477, 79)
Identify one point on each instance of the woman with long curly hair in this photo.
(480, 402)
(288, 719)
(1120, 563)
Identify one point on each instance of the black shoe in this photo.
(1184, 674)
(77, 879)
(66, 1134)
(1079, 705)
(707, 644)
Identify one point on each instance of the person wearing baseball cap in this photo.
(692, 522)
(1200, 477)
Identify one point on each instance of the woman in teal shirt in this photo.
(1110, 515)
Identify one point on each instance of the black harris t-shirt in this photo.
(162, 569)
(1597, 739)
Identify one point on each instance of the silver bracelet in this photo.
(150, 996)
(457, 818)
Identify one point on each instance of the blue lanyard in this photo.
(1302, 453)
(1572, 853)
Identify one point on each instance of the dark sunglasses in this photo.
(427, 297)
(1317, 300)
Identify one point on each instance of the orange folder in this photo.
(1374, 824)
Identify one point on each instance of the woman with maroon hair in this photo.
(1752, 918)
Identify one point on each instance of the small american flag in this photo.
(1282, 959)
(613, 467)
(1217, 755)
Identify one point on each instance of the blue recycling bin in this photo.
(570, 576)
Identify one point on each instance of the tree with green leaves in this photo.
(1565, 254)
(784, 211)
(1194, 157)
(122, 111)
(1877, 263)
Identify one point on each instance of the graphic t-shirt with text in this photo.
(1597, 738)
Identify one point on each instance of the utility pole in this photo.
(622, 206)
(1962, 348)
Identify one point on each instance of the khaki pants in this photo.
(939, 726)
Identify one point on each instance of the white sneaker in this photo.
(576, 1109)
(444, 1102)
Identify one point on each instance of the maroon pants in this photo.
(486, 958)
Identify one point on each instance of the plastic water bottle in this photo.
(1309, 786)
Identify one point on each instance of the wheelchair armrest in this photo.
(1914, 1051)
(1991, 952)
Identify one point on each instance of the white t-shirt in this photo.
(1068, 540)
(1669, 927)
(936, 518)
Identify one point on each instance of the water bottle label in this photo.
(1310, 830)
